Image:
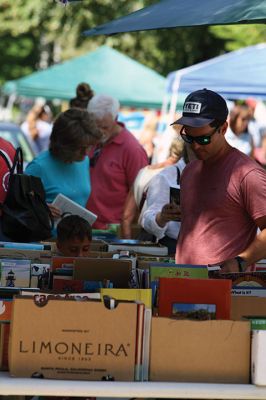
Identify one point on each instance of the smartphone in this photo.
(174, 195)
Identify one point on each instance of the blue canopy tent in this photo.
(236, 75)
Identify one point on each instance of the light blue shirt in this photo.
(70, 179)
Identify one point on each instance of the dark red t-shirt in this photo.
(8, 149)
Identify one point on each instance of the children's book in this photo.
(25, 246)
(141, 247)
(142, 295)
(146, 344)
(69, 207)
(199, 299)
(166, 270)
(139, 341)
(62, 283)
(33, 255)
(260, 265)
(118, 272)
(257, 323)
(61, 262)
(15, 272)
(248, 291)
(253, 279)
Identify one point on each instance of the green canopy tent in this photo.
(181, 13)
(106, 70)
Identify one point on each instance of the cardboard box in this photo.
(73, 340)
(258, 357)
(247, 306)
(200, 351)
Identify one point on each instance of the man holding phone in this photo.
(223, 192)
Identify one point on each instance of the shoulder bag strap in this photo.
(7, 161)
(143, 199)
(18, 162)
(177, 176)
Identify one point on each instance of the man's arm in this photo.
(129, 214)
(253, 253)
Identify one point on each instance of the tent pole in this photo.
(164, 112)
(174, 97)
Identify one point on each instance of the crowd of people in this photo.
(217, 161)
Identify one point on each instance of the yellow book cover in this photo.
(143, 295)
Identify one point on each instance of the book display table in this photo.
(32, 387)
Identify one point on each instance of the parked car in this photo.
(13, 133)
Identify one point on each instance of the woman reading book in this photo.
(64, 168)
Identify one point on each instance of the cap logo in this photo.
(192, 107)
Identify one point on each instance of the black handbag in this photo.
(25, 214)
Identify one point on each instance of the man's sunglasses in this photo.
(202, 140)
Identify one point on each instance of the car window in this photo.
(18, 140)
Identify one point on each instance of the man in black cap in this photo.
(223, 192)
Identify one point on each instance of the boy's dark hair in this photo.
(73, 226)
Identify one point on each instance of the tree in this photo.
(37, 33)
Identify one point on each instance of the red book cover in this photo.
(4, 340)
(68, 285)
(61, 262)
(5, 309)
(194, 298)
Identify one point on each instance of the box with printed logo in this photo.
(73, 340)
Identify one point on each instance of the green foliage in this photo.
(237, 36)
(38, 33)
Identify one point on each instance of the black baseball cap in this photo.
(201, 108)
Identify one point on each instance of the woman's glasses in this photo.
(202, 140)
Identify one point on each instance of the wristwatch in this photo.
(241, 263)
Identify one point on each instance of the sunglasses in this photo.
(202, 140)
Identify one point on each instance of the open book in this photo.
(68, 207)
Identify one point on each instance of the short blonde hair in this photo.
(176, 148)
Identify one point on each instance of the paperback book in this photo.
(141, 247)
(69, 207)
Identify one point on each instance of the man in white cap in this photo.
(223, 192)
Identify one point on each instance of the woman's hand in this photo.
(56, 213)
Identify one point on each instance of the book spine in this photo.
(139, 342)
